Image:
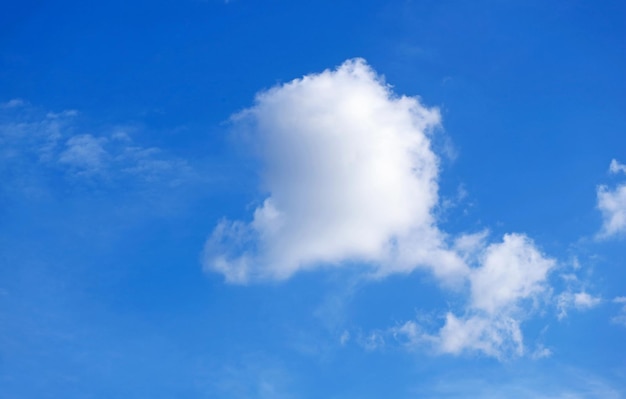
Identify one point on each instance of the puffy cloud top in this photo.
(350, 174)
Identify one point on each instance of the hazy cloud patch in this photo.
(33, 139)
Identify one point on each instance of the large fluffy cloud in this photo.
(350, 179)
(350, 176)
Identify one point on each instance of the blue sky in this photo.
(341, 200)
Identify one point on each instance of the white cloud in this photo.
(579, 301)
(620, 299)
(511, 271)
(14, 103)
(54, 141)
(498, 337)
(617, 167)
(612, 205)
(409, 334)
(350, 176)
(574, 294)
(583, 300)
(621, 316)
(253, 375)
(350, 180)
(344, 338)
(84, 153)
(372, 341)
(541, 352)
(511, 277)
(538, 381)
(492, 336)
(507, 283)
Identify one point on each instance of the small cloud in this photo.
(344, 338)
(508, 280)
(470, 245)
(621, 316)
(373, 341)
(541, 353)
(252, 376)
(617, 167)
(579, 301)
(612, 205)
(14, 103)
(620, 299)
(511, 271)
(62, 114)
(497, 337)
(121, 135)
(85, 154)
(409, 334)
(583, 300)
(569, 277)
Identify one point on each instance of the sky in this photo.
(315, 199)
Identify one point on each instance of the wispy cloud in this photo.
(576, 300)
(84, 154)
(621, 316)
(14, 103)
(60, 142)
(562, 383)
(255, 376)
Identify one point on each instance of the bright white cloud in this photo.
(350, 176)
(510, 278)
